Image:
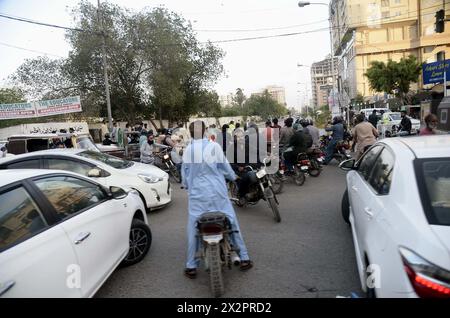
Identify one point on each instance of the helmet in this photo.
(169, 131)
(304, 122)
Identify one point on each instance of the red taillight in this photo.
(305, 162)
(427, 279)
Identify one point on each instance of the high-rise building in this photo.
(226, 100)
(322, 81)
(379, 30)
(278, 93)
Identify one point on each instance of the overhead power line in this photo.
(22, 48)
(6, 16)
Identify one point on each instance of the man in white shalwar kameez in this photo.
(204, 171)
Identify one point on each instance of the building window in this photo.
(385, 3)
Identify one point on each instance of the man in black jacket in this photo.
(373, 119)
(405, 124)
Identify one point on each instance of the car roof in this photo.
(45, 136)
(58, 151)
(11, 176)
(435, 146)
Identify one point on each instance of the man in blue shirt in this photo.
(203, 173)
(338, 135)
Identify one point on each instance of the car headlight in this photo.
(149, 178)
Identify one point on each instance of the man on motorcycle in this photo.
(204, 171)
(251, 158)
(297, 144)
(338, 135)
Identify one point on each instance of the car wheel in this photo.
(345, 207)
(140, 242)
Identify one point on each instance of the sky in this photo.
(250, 65)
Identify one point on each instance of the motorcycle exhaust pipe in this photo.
(235, 259)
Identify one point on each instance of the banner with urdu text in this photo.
(41, 108)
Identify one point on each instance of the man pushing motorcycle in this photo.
(204, 170)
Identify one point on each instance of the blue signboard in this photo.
(434, 72)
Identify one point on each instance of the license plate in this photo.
(166, 157)
(320, 159)
(304, 168)
(281, 171)
(261, 173)
(213, 238)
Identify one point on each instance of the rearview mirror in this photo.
(348, 165)
(117, 193)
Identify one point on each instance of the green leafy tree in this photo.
(11, 96)
(394, 77)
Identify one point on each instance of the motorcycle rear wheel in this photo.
(315, 170)
(215, 269)
(299, 177)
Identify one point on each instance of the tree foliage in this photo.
(394, 77)
(156, 65)
(264, 106)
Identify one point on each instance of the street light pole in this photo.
(105, 68)
(302, 4)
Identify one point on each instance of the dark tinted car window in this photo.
(20, 217)
(366, 163)
(70, 195)
(381, 177)
(69, 165)
(434, 177)
(26, 164)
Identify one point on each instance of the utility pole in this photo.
(105, 67)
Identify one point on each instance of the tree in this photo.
(239, 97)
(394, 77)
(11, 96)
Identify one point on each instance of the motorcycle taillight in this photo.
(304, 162)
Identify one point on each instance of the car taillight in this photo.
(427, 279)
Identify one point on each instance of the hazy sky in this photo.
(250, 65)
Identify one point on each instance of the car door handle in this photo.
(6, 286)
(354, 188)
(369, 212)
(81, 237)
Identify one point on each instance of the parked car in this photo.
(62, 235)
(151, 182)
(398, 205)
(390, 123)
(19, 144)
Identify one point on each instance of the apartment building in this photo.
(322, 81)
(278, 93)
(378, 30)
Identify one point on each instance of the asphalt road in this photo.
(309, 254)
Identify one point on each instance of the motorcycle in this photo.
(260, 187)
(342, 151)
(167, 164)
(216, 248)
(309, 164)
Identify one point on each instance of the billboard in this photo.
(41, 108)
(433, 73)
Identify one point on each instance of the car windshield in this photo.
(436, 175)
(86, 143)
(107, 159)
(395, 116)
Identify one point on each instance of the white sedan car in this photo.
(398, 204)
(391, 120)
(151, 182)
(62, 235)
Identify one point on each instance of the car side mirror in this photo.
(95, 173)
(117, 193)
(348, 165)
